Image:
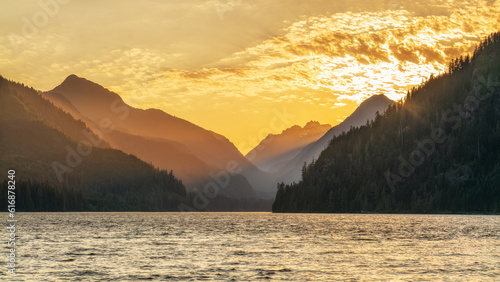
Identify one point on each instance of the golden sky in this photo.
(232, 66)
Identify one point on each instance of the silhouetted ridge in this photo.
(74, 85)
(54, 172)
(155, 136)
(436, 151)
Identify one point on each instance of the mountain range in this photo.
(168, 142)
(366, 112)
(197, 156)
(212, 170)
(282, 156)
(62, 165)
(79, 146)
(435, 152)
(276, 150)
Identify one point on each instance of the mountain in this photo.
(286, 165)
(366, 111)
(435, 152)
(194, 154)
(61, 165)
(162, 153)
(276, 149)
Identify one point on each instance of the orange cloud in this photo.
(322, 60)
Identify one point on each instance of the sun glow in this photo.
(320, 64)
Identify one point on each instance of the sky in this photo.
(241, 68)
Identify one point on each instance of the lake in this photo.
(254, 246)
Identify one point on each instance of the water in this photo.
(254, 246)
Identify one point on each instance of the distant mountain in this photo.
(277, 149)
(61, 165)
(438, 151)
(287, 166)
(366, 111)
(193, 153)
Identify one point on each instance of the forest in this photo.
(43, 144)
(35, 135)
(161, 192)
(435, 151)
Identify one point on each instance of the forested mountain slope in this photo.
(366, 111)
(61, 165)
(438, 151)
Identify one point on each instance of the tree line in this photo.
(162, 192)
(436, 151)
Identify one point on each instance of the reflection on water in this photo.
(252, 246)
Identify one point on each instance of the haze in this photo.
(230, 66)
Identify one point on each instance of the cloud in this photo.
(351, 55)
(369, 52)
(225, 56)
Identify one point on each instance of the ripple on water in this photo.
(256, 246)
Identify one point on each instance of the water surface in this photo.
(254, 246)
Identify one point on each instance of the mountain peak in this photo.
(85, 90)
(312, 124)
(75, 81)
(377, 98)
(298, 129)
(271, 151)
(72, 76)
(379, 101)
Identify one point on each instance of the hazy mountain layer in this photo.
(276, 149)
(288, 165)
(193, 153)
(62, 165)
(365, 112)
